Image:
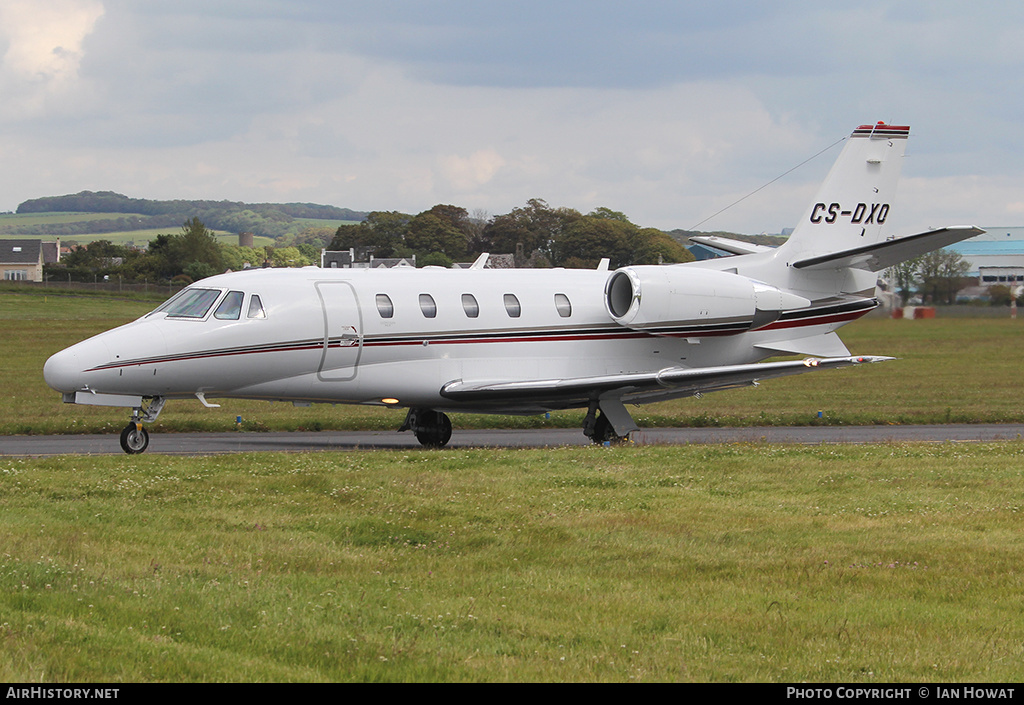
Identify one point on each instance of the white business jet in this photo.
(435, 341)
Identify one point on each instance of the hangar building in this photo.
(996, 256)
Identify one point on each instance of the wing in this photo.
(672, 382)
(733, 247)
(885, 254)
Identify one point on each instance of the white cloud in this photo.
(667, 112)
(44, 50)
(466, 173)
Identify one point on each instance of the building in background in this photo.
(21, 260)
(994, 253)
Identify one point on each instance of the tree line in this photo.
(186, 256)
(936, 277)
(274, 220)
(537, 234)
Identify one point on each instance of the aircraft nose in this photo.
(65, 371)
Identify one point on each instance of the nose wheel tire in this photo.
(134, 439)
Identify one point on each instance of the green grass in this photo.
(870, 564)
(13, 221)
(139, 237)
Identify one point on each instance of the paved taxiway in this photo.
(215, 443)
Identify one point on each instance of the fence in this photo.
(99, 285)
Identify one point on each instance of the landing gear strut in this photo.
(135, 438)
(432, 428)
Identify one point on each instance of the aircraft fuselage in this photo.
(395, 337)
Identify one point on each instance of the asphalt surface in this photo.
(218, 443)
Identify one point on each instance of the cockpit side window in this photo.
(190, 303)
(231, 307)
(256, 307)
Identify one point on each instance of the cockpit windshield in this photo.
(231, 307)
(190, 303)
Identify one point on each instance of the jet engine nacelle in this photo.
(651, 297)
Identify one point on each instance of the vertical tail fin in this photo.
(856, 197)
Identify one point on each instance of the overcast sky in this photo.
(665, 110)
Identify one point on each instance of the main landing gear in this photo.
(613, 425)
(135, 438)
(432, 428)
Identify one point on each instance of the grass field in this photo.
(13, 221)
(870, 564)
(16, 220)
(755, 562)
(950, 370)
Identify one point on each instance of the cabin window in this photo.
(470, 306)
(563, 305)
(385, 308)
(427, 306)
(512, 307)
(231, 307)
(256, 308)
(190, 303)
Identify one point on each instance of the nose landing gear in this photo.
(135, 438)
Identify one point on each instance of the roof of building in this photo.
(20, 251)
(51, 252)
(974, 247)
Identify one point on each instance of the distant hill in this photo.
(263, 219)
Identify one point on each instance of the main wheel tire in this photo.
(134, 439)
(434, 432)
(604, 433)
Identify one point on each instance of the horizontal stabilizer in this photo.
(828, 345)
(673, 381)
(733, 247)
(885, 254)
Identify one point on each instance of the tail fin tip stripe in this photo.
(882, 131)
